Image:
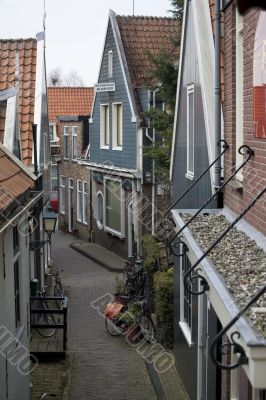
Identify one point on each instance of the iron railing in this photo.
(232, 346)
(164, 222)
(241, 150)
(190, 279)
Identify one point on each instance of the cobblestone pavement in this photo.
(102, 367)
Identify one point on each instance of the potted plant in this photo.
(120, 289)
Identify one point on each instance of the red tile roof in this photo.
(27, 49)
(13, 180)
(69, 101)
(141, 35)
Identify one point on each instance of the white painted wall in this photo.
(16, 383)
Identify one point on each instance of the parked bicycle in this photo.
(116, 325)
(59, 289)
(134, 277)
(44, 318)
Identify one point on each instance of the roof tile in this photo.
(69, 101)
(27, 49)
(13, 181)
(143, 35)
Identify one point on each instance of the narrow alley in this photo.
(101, 366)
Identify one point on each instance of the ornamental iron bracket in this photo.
(163, 223)
(242, 150)
(225, 348)
(188, 277)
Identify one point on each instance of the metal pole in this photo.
(133, 7)
(217, 91)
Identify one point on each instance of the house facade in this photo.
(25, 190)
(23, 96)
(221, 260)
(124, 195)
(69, 112)
(17, 268)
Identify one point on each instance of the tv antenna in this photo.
(133, 7)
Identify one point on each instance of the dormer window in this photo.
(110, 64)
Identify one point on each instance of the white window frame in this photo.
(62, 194)
(55, 138)
(121, 233)
(84, 203)
(239, 92)
(183, 323)
(79, 201)
(66, 135)
(189, 173)
(16, 259)
(53, 166)
(110, 64)
(115, 145)
(74, 134)
(98, 222)
(103, 133)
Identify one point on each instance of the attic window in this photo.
(110, 64)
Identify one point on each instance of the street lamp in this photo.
(49, 224)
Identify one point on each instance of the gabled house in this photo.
(216, 275)
(17, 198)
(69, 113)
(124, 191)
(23, 102)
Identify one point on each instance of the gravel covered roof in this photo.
(238, 259)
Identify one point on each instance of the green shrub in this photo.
(164, 305)
(150, 251)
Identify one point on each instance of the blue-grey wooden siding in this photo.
(190, 75)
(186, 357)
(127, 157)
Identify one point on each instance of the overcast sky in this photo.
(75, 29)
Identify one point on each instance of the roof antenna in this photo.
(133, 7)
(44, 14)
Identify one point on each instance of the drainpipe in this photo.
(217, 92)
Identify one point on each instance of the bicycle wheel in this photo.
(58, 292)
(147, 327)
(113, 326)
(45, 319)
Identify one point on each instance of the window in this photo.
(16, 254)
(74, 142)
(259, 79)
(239, 91)
(114, 207)
(85, 203)
(104, 126)
(62, 195)
(99, 210)
(79, 200)
(65, 142)
(190, 132)
(52, 133)
(82, 202)
(54, 178)
(185, 302)
(110, 64)
(117, 125)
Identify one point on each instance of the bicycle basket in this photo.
(112, 310)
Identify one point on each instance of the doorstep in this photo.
(101, 255)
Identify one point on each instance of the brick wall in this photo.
(254, 173)
(71, 169)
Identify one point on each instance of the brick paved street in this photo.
(102, 367)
